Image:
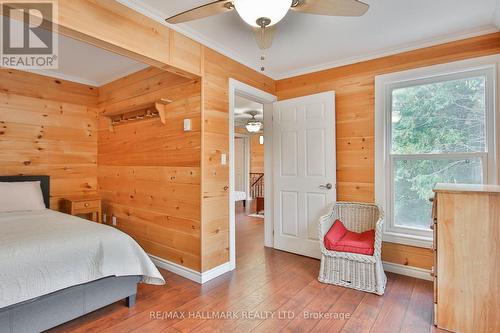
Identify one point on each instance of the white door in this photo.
(304, 170)
(239, 164)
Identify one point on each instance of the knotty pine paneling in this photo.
(49, 127)
(217, 70)
(354, 86)
(149, 172)
(256, 154)
(185, 53)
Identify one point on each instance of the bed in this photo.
(240, 196)
(56, 267)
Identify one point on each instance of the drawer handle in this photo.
(86, 204)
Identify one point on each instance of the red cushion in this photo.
(335, 234)
(350, 241)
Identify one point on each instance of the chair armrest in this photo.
(379, 230)
(325, 223)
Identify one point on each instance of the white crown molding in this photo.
(190, 273)
(191, 33)
(391, 51)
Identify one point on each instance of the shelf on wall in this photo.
(138, 112)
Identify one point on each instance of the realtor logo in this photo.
(29, 35)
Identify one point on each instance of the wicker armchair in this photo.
(357, 271)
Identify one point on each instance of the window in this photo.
(431, 129)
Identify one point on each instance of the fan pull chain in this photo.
(262, 66)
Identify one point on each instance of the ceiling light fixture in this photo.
(253, 125)
(262, 13)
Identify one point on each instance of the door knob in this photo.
(326, 186)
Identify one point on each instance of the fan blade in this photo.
(331, 7)
(213, 8)
(264, 37)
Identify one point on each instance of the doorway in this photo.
(252, 107)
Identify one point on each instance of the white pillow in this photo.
(21, 196)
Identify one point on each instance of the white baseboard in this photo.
(189, 273)
(419, 273)
(215, 272)
(416, 272)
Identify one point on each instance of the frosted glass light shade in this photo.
(253, 126)
(252, 10)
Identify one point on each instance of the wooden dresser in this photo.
(467, 257)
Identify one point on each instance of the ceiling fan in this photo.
(253, 125)
(262, 15)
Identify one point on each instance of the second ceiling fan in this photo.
(262, 15)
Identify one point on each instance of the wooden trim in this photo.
(114, 27)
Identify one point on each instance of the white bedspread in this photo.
(45, 251)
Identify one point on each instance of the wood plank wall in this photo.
(49, 127)
(256, 154)
(217, 69)
(355, 95)
(256, 150)
(113, 26)
(96, 23)
(149, 173)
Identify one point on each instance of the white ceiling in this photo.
(306, 43)
(87, 64)
(241, 106)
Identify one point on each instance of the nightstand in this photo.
(83, 205)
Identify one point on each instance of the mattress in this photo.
(239, 196)
(45, 251)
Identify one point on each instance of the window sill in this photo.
(406, 239)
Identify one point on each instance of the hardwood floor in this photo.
(270, 291)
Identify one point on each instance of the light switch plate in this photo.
(187, 125)
(223, 159)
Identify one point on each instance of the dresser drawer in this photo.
(82, 205)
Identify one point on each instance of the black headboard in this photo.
(44, 183)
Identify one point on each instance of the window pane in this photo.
(414, 180)
(440, 117)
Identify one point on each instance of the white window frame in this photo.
(384, 160)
